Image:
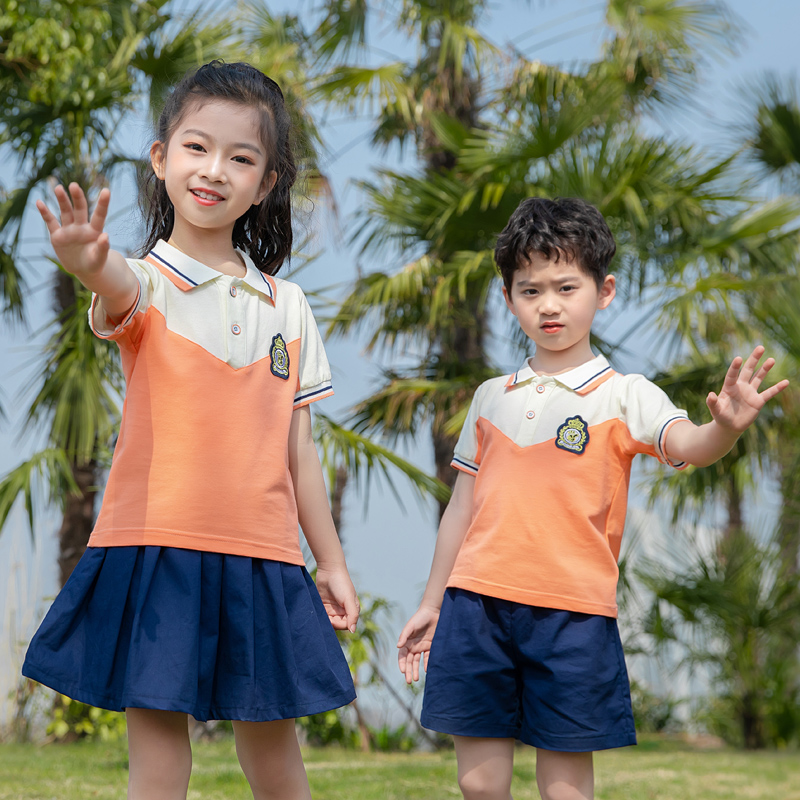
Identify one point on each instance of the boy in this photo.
(522, 590)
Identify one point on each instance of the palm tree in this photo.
(487, 136)
(71, 75)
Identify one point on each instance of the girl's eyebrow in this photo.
(236, 145)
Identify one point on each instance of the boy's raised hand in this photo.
(739, 401)
(79, 240)
(415, 641)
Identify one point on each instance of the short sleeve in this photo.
(467, 454)
(314, 371)
(649, 414)
(103, 327)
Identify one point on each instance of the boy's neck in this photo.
(551, 362)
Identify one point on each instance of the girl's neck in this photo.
(210, 247)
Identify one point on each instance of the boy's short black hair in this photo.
(566, 227)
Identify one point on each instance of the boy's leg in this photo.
(485, 767)
(271, 760)
(159, 754)
(564, 776)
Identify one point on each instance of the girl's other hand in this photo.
(339, 597)
(79, 240)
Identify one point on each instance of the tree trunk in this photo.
(78, 521)
(752, 723)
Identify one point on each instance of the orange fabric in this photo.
(201, 460)
(547, 524)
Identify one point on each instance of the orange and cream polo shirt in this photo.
(552, 459)
(214, 366)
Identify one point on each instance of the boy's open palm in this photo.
(79, 241)
(739, 401)
(415, 641)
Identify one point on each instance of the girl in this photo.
(192, 597)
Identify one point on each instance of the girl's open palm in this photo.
(79, 240)
(739, 401)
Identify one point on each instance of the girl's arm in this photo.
(417, 635)
(333, 580)
(733, 411)
(84, 250)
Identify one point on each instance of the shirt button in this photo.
(540, 388)
(236, 330)
(233, 291)
(530, 414)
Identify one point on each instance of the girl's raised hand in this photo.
(79, 240)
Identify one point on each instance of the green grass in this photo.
(656, 770)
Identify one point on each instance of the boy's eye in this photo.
(567, 288)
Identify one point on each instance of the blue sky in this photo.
(388, 550)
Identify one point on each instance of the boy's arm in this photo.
(417, 635)
(84, 250)
(314, 513)
(733, 411)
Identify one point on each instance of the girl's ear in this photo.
(267, 185)
(157, 159)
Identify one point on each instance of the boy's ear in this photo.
(607, 292)
(157, 159)
(267, 185)
(509, 302)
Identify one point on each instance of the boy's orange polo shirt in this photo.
(552, 459)
(214, 366)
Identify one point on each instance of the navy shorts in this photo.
(552, 679)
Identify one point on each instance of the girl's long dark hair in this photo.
(265, 230)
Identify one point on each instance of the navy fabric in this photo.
(213, 635)
(553, 679)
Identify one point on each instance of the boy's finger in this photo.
(769, 393)
(762, 372)
(749, 366)
(79, 204)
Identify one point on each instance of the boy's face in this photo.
(555, 303)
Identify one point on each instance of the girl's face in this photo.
(214, 167)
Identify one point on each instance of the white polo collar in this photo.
(582, 379)
(187, 273)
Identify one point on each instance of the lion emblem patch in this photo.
(573, 435)
(280, 357)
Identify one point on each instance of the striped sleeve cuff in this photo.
(98, 319)
(661, 439)
(463, 464)
(312, 394)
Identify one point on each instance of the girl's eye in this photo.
(194, 146)
(242, 160)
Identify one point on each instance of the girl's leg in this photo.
(485, 767)
(271, 761)
(564, 776)
(159, 753)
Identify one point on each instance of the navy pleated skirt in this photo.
(213, 635)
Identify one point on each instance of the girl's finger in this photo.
(79, 204)
(762, 373)
(48, 217)
(750, 365)
(769, 393)
(733, 373)
(64, 206)
(100, 212)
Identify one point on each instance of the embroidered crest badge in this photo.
(573, 435)
(280, 357)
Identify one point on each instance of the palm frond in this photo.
(365, 459)
(51, 467)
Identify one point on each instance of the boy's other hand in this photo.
(415, 641)
(739, 402)
(79, 241)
